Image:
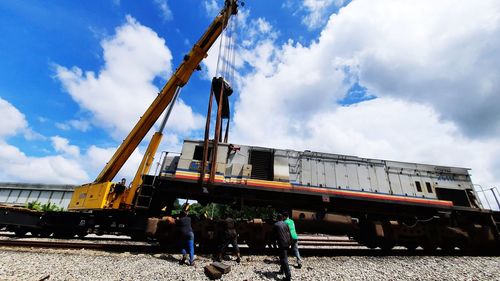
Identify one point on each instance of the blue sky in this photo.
(404, 81)
(38, 35)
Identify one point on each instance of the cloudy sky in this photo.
(414, 81)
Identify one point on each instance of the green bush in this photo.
(35, 205)
(216, 211)
(48, 207)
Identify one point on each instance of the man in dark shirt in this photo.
(119, 188)
(283, 239)
(229, 237)
(186, 237)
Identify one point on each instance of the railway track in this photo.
(309, 246)
(127, 245)
(91, 237)
(311, 240)
(112, 247)
(325, 247)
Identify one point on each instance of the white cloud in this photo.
(80, 125)
(433, 66)
(63, 126)
(443, 53)
(211, 7)
(16, 121)
(317, 11)
(42, 119)
(123, 89)
(164, 8)
(97, 157)
(16, 166)
(183, 120)
(314, 13)
(67, 166)
(62, 145)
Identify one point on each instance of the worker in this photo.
(295, 238)
(229, 237)
(119, 188)
(186, 237)
(283, 239)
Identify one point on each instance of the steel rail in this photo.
(115, 247)
(331, 251)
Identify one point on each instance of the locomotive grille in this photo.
(262, 165)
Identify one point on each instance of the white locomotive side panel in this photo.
(352, 177)
(407, 185)
(314, 172)
(304, 172)
(382, 180)
(341, 174)
(394, 183)
(334, 171)
(364, 178)
(330, 176)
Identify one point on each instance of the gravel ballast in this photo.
(36, 264)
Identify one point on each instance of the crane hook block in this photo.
(218, 85)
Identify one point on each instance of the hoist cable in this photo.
(220, 45)
(233, 57)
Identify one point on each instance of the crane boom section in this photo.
(179, 78)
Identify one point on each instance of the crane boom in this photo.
(103, 193)
(179, 78)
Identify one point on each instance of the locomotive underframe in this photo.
(372, 222)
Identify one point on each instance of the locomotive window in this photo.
(419, 187)
(429, 187)
(458, 197)
(198, 153)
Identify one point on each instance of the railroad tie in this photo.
(222, 267)
(212, 272)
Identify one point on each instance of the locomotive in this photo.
(379, 203)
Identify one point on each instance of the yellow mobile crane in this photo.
(105, 194)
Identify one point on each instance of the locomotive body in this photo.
(378, 203)
(329, 174)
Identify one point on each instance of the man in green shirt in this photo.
(295, 238)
